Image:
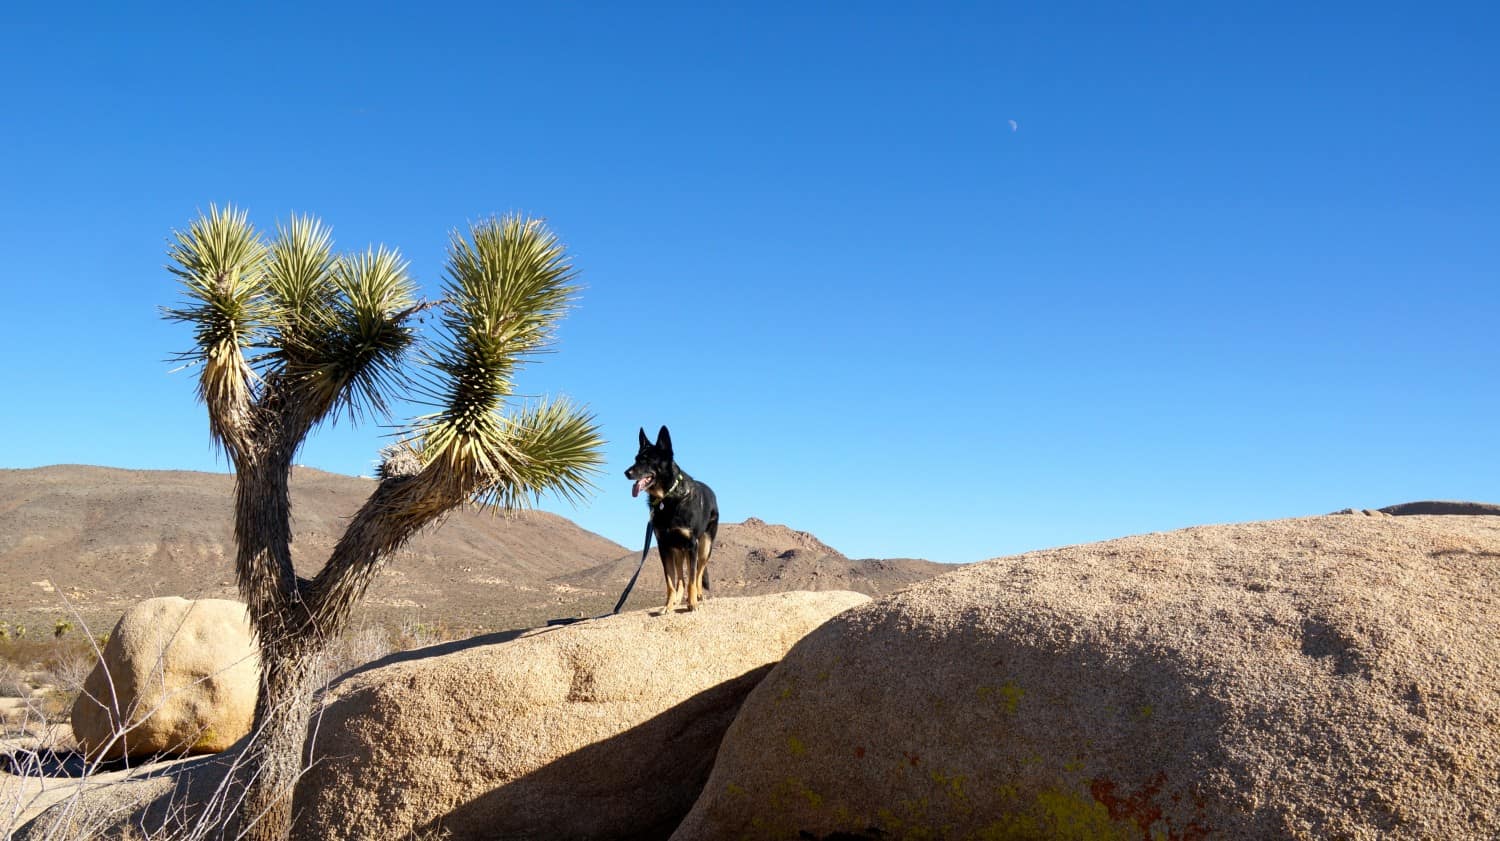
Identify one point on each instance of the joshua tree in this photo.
(289, 335)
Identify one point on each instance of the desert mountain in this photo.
(99, 539)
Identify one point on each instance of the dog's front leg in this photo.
(694, 582)
(669, 569)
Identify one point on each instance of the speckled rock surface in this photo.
(1323, 678)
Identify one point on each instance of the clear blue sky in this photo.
(1228, 262)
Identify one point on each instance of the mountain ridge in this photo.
(90, 540)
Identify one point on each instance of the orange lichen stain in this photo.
(913, 759)
(1144, 811)
(859, 753)
(1052, 814)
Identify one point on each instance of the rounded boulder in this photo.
(1331, 677)
(176, 677)
(602, 729)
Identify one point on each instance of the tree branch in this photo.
(399, 507)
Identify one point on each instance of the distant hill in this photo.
(101, 538)
(756, 557)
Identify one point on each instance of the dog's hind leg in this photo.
(702, 547)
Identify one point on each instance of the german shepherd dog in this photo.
(684, 515)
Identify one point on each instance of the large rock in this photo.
(184, 676)
(603, 729)
(1325, 678)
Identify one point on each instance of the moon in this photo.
(1012, 124)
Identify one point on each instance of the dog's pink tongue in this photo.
(640, 485)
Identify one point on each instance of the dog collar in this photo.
(676, 480)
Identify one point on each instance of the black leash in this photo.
(628, 587)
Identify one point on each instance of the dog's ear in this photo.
(645, 442)
(664, 440)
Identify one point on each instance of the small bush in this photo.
(12, 681)
(69, 666)
(415, 634)
(356, 647)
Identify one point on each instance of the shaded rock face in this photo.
(603, 729)
(176, 677)
(1332, 677)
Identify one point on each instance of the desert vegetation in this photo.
(39, 682)
(287, 336)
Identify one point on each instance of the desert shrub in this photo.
(354, 648)
(62, 627)
(68, 666)
(53, 705)
(413, 633)
(12, 680)
(29, 654)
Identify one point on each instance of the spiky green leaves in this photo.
(324, 332)
(555, 447)
(220, 259)
(355, 360)
(298, 273)
(328, 334)
(508, 283)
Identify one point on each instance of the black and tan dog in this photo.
(684, 515)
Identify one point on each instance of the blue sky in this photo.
(1229, 262)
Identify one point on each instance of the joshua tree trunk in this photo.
(308, 616)
(274, 757)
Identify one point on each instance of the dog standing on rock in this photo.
(684, 515)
